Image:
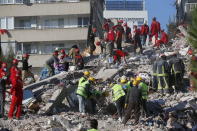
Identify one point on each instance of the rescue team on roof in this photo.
(128, 93)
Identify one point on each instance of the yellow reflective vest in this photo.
(117, 92)
(81, 90)
(144, 90)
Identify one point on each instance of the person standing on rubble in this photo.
(132, 103)
(177, 69)
(118, 95)
(110, 41)
(144, 33)
(144, 92)
(83, 91)
(119, 33)
(127, 33)
(3, 81)
(26, 68)
(72, 51)
(125, 84)
(163, 72)
(154, 75)
(51, 63)
(92, 40)
(79, 62)
(136, 37)
(63, 64)
(155, 29)
(16, 90)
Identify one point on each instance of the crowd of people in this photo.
(128, 93)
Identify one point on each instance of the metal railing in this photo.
(51, 27)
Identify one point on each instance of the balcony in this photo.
(57, 8)
(33, 35)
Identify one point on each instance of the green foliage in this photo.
(193, 41)
(171, 28)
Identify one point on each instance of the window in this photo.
(80, 22)
(7, 23)
(83, 21)
(61, 23)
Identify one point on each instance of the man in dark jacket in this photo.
(92, 40)
(177, 69)
(163, 72)
(155, 81)
(50, 63)
(25, 69)
(132, 103)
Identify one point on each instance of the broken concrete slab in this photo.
(106, 74)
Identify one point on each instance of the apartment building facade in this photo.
(131, 11)
(38, 27)
(184, 8)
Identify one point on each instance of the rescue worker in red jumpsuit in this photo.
(137, 40)
(16, 91)
(164, 39)
(127, 33)
(119, 33)
(110, 41)
(155, 29)
(118, 55)
(144, 32)
(3, 81)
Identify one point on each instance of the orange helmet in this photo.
(4, 65)
(25, 55)
(15, 61)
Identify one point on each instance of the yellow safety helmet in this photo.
(138, 78)
(132, 79)
(86, 73)
(123, 81)
(91, 79)
(135, 83)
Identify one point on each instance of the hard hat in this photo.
(15, 61)
(25, 55)
(4, 65)
(91, 79)
(132, 79)
(138, 78)
(135, 83)
(145, 22)
(123, 81)
(62, 51)
(86, 73)
(55, 53)
(56, 49)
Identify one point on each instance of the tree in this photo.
(193, 41)
(171, 28)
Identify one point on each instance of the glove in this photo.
(125, 106)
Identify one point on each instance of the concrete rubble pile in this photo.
(52, 105)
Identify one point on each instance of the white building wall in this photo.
(131, 17)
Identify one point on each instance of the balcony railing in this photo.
(35, 1)
(51, 27)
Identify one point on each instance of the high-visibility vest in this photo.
(144, 90)
(117, 92)
(128, 85)
(163, 72)
(92, 130)
(81, 87)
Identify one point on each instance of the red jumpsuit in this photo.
(16, 91)
(118, 55)
(154, 30)
(164, 39)
(111, 36)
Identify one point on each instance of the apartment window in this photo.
(6, 1)
(83, 21)
(61, 23)
(7, 23)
